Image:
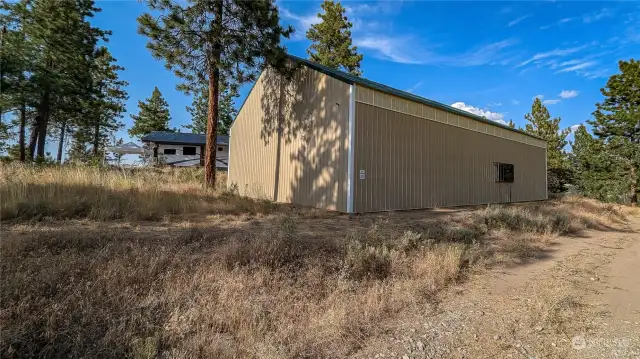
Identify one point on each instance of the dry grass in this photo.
(33, 193)
(191, 292)
(263, 288)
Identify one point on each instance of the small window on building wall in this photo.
(504, 172)
(169, 151)
(188, 151)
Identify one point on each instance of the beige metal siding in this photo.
(411, 162)
(289, 141)
(401, 105)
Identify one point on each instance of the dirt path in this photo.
(581, 301)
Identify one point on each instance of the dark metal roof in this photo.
(352, 79)
(182, 138)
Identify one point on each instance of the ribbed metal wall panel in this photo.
(410, 162)
(398, 104)
(305, 162)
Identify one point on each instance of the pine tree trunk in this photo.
(23, 123)
(212, 114)
(43, 113)
(33, 138)
(63, 127)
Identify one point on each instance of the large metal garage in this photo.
(332, 140)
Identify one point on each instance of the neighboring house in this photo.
(183, 149)
(332, 140)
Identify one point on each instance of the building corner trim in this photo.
(546, 174)
(350, 148)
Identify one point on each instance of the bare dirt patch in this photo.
(580, 301)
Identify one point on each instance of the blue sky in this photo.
(491, 58)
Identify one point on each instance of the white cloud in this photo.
(568, 93)
(518, 20)
(493, 116)
(570, 62)
(408, 50)
(558, 23)
(484, 55)
(596, 16)
(377, 8)
(552, 53)
(515, 102)
(579, 66)
(414, 87)
(550, 102)
(398, 49)
(494, 104)
(301, 23)
(574, 128)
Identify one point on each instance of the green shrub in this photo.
(363, 261)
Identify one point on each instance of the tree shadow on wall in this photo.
(300, 115)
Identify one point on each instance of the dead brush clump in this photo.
(524, 219)
(196, 292)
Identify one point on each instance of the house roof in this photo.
(182, 138)
(352, 79)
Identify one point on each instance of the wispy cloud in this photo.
(558, 23)
(552, 53)
(483, 55)
(414, 87)
(596, 16)
(376, 8)
(550, 102)
(578, 66)
(505, 10)
(395, 49)
(515, 102)
(408, 50)
(301, 23)
(568, 94)
(493, 116)
(586, 18)
(518, 20)
(537, 96)
(574, 128)
(494, 104)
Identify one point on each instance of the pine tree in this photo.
(542, 125)
(100, 115)
(200, 106)
(152, 116)
(332, 45)
(54, 55)
(15, 60)
(617, 123)
(596, 174)
(204, 41)
(511, 124)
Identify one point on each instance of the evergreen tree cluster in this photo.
(56, 79)
(604, 164)
(607, 163)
